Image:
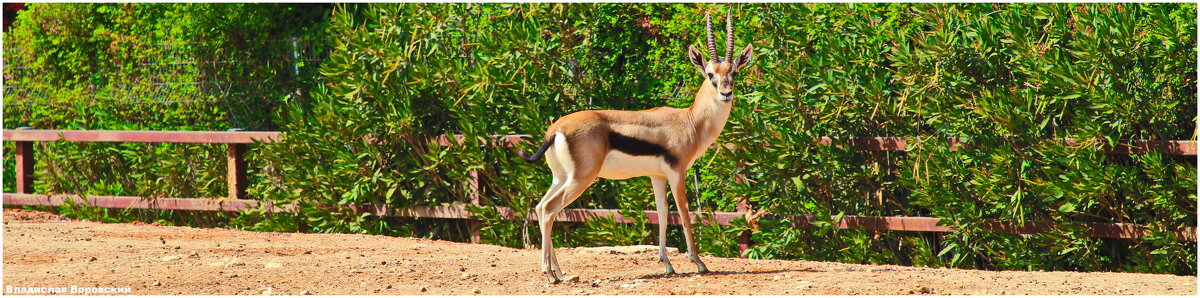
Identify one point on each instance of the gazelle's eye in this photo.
(710, 76)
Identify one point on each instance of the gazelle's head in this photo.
(720, 73)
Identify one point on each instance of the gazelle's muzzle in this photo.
(726, 96)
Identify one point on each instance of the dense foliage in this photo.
(999, 74)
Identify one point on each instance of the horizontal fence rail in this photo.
(459, 211)
(1171, 147)
(124, 136)
(236, 201)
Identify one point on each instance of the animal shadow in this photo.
(723, 272)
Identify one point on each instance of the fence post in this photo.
(236, 173)
(744, 238)
(24, 165)
(473, 224)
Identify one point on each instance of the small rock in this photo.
(268, 291)
(571, 278)
(155, 284)
(271, 265)
(424, 289)
(476, 291)
(921, 290)
(466, 275)
(305, 292)
(804, 284)
(389, 286)
(171, 258)
(230, 262)
(91, 259)
(635, 283)
(355, 271)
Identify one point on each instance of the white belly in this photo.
(620, 166)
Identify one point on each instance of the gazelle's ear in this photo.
(744, 58)
(696, 58)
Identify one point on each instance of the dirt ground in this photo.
(44, 250)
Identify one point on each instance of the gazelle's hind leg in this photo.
(571, 179)
(548, 213)
(545, 223)
(660, 202)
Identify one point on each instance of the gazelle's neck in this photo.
(708, 114)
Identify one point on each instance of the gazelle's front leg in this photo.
(679, 189)
(660, 202)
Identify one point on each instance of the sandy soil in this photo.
(44, 250)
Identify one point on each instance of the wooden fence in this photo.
(237, 142)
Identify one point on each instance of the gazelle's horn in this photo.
(712, 46)
(729, 35)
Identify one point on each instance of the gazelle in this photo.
(661, 143)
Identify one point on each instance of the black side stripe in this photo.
(636, 147)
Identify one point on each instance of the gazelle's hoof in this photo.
(552, 279)
(670, 269)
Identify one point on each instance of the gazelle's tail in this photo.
(537, 155)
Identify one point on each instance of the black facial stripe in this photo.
(636, 147)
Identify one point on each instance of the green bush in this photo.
(1011, 78)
